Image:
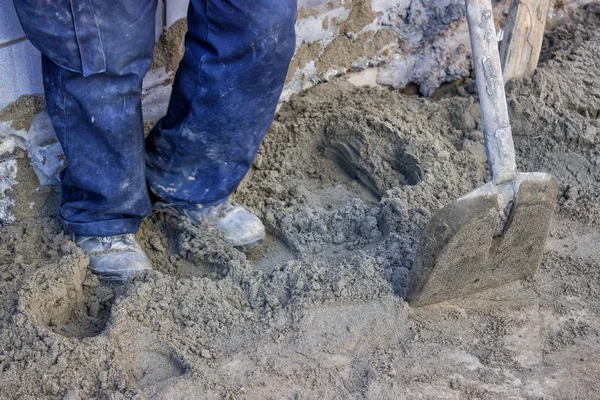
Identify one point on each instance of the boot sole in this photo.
(119, 277)
(251, 245)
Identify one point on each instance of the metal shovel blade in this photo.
(491, 236)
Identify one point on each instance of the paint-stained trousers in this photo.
(94, 56)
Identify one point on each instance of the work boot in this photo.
(114, 257)
(240, 227)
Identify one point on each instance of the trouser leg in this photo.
(93, 68)
(226, 90)
(98, 120)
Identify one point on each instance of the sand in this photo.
(345, 182)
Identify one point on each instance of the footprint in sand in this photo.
(67, 299)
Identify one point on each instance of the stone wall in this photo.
(423, 42)
(20, 69)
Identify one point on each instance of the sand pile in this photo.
(345, 182)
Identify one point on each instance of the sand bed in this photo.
(345, 182)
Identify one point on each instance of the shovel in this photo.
(496, 233)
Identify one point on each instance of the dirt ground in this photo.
(345, 181)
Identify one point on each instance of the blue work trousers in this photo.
(95, 54)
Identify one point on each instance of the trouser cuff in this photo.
(111, 227)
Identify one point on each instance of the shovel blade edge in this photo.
(472, 244)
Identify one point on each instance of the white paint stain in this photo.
(166, 189)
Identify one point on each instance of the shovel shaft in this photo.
(497, 132)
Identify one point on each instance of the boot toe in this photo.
(115, 257)
(242, 229)
(119, 265)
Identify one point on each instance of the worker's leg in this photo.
(224, 98)
(95, 56)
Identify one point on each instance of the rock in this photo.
(205, 353)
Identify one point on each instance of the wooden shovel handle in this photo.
(497, 133)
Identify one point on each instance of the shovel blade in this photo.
(474, 243)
